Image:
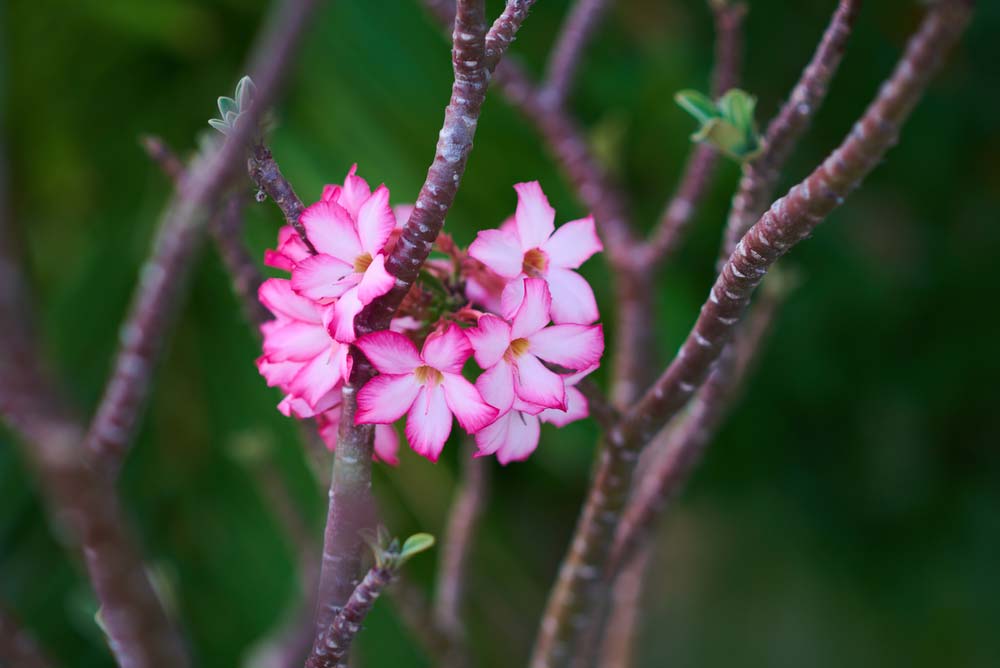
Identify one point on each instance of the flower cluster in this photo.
(513, 302)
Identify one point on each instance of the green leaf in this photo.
(246, 90)
(415, 544)
(221, 126)
(697, 104)
(227, 105)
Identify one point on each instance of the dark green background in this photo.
(848, 514)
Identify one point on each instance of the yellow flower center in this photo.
(517, 348)
(361, 262)
(427, 375)
(536, 262)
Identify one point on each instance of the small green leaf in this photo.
(246, 90)
(697, 104)
(228, 105)
(415, 544)
(221, 126)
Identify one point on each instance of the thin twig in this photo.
(581, 584)
(703, 159)
(463, 520)
(163, 277)
(564, 59)
(265, 173)
(18, 648)
(226, 228)
(334, 642)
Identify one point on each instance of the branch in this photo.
(163, 277)
(463, 520)
(581, 586)
(564, 60)
(17, 647)
(703, 159)
(334, 642)
(264, 172)
(226, 228)
(760, 175)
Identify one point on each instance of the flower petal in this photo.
(387, 444)
(331, 230)
(498, 250)
(390, 352)
(355, 191)
(570, 346)
(386, 398)
(489, 339)
(537, 385)
(277, 296)
(293, 340)
(467, 404)
(375, 221)
(572, 298)
(576, 409)
(447, 350)
(376, 281)
(344, 312)
(290, 250)
(496, 385)
(573, 243)
(533, 313)
(429, 422)
(522, 438)
(316, 378)
(534, 216)
(277, 374)
(321, 278)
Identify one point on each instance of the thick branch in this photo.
(760, 176)
(581, 585)
(703, 159)
(564, 59)
(335, 641)
(163, 277)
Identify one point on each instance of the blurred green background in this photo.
(849, 512)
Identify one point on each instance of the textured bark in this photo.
(163, 277)
(334, 642)
(463, 520)
(564, 60)
(792, 218)
(703, 159)
(18, 648)
(760, 176)
(265, 173)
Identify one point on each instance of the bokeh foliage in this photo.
(847, 514)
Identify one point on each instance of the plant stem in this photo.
(334, 642)
(564, 59)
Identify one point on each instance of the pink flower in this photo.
(386, 438)
(299, 355)
(428, 385)
(349, 228)
(514, 435)
(512, 353)
(533, 248)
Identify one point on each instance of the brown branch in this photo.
(226, 228)
(760, 175)
(163, 277)
(165, 158)
(452, 573)
(265, 173)
(564, 60)
(581, 586)
(334, 642)
(703, 159)
(617, 649)
(18, 648)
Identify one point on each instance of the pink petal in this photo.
(321, 278)
(277, 295)
(429, 422)
(290, 250)
(522, 439)
(500, 251)
(533, 313)
(570, 346)
(538, 385)
(386, 398)
(390, 352)
(402, 213)
(376, 281)
(387, 444)
(466, 403)
(277, 374)
(293, 406)
(496, 385)
(572, 244)
(490, 339)
(344, 312)
(331, 193)
(576, 409)
(316, 378)
(331, 230)
(354, 192)
(447, 350)
(572, 298)
(375, 221)
(293, 340)
(535, 218)
(484, 294)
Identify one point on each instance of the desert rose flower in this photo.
(533, 248)
(512, 353)
(427, 386)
